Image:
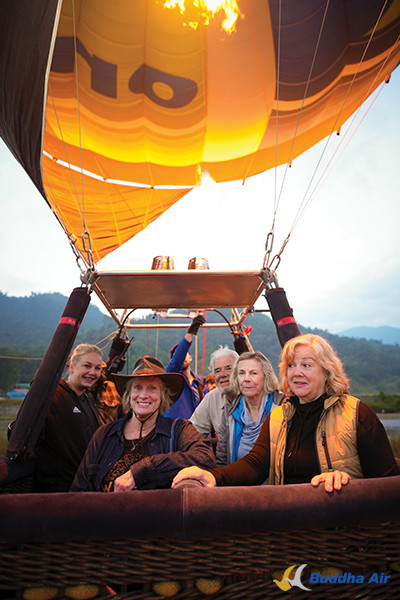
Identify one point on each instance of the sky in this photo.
(340, 268)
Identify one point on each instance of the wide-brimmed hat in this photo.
(147, 366)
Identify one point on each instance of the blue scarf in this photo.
(251, 432)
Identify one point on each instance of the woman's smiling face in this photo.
(305, 375)
(85, 372)
(145, 396)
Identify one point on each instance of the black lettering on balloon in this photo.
(104, 76)
(143, 80)
(103, 73)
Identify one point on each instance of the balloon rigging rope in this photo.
(55, 206)
(109, 339)
(79, 114)
(278, 72)
(270, 237)
(289, 159)
(306, 201)
(86, 240)
(343, 142)
(81, 206)
(308, 195)
(54, 196)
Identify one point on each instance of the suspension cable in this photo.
(79, 112)
(278, 75)
(333, 161)
(270, 237)
(274, 263)
(289, 160)
(86, 239)
(335, 158)
(305, 203)
(89, 262)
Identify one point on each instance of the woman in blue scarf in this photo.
(256, 385)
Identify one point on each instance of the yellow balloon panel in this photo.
(137, 94)
(111, 214)
(154, 90)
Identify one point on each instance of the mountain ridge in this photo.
(27, 325)
(385, 333)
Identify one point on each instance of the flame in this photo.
(205, 178)
(205, 10)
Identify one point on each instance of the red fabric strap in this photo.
(68, 321)
(285, 321)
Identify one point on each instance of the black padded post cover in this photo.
(31, 416)
(282, 315)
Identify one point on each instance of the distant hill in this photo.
(386, 335)
(30, 321)
(27, 325)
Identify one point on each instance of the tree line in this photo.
(28, 323)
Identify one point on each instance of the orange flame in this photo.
(205, 10)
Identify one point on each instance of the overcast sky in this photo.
(340, 268)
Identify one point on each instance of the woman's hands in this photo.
(124, 483)
(205, 477)
(333, 480)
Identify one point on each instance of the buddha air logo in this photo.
(285, 584)
(292, 578)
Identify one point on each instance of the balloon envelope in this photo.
(115, 109)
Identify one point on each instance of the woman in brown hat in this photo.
(144, 449)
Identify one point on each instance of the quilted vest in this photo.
(336, 437)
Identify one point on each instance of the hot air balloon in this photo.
(116, 110)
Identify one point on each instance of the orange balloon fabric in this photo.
(142, 99)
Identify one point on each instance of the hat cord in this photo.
(143, 421)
